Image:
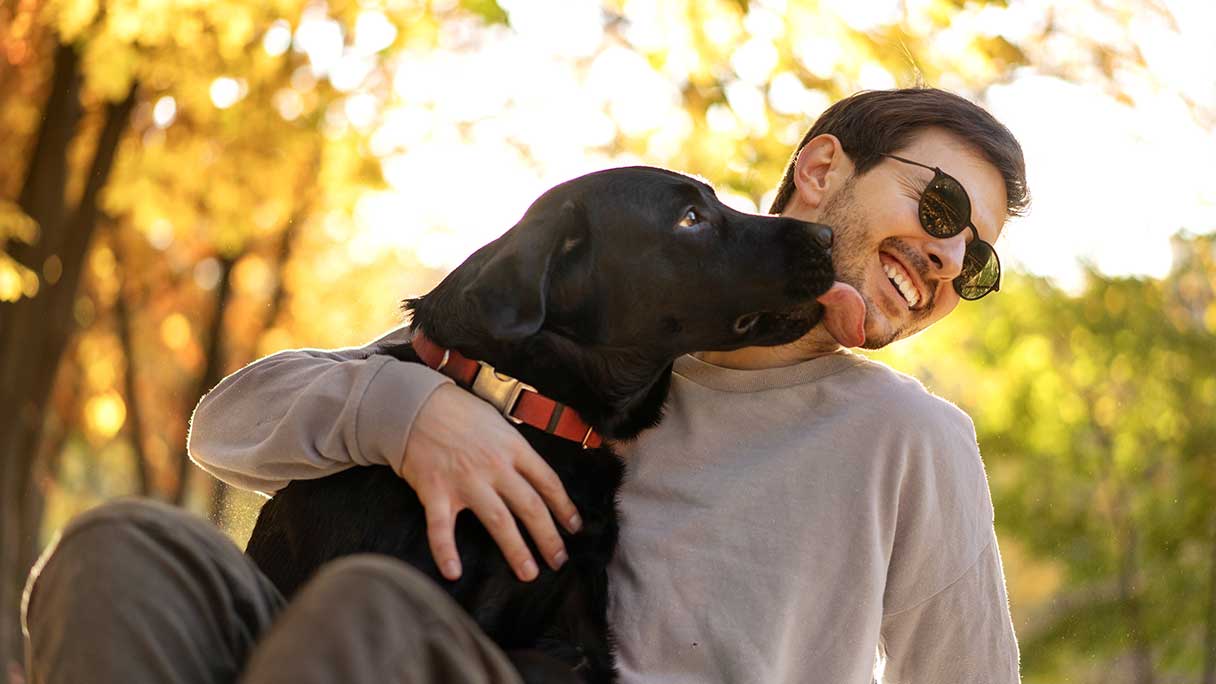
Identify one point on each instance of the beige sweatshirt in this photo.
(778, 526)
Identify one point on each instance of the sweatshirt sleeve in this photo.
(963, 633)
(308, 413)
(945, 612)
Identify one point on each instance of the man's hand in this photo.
(461, 453)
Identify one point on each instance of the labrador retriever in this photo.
(587, 301)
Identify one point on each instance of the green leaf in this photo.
(489, 10)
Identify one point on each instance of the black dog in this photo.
(590, 298)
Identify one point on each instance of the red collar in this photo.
(517, 401)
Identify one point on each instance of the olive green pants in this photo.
(137, 591)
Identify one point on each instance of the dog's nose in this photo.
(822, 235)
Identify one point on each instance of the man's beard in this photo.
(851, 257)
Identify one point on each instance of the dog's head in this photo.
(646, 259)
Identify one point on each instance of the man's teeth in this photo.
(906, 288)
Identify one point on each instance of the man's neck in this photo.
(817, 342)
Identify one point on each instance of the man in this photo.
(800, 508)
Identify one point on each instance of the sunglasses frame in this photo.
(959, 284)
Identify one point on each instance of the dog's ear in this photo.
(510, 288)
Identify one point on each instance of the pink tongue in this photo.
(844, 314)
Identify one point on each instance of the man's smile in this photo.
(903, 281)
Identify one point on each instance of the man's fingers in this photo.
(440, 533)
(498, 521)
(530, 508)
(546, 482)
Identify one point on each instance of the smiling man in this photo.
(800, 509)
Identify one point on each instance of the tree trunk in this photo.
(34, 331)
(42, 197)
(213, 370)
(124, 324)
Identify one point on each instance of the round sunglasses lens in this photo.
(945, 208)
(981, 271)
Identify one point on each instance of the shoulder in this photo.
(938, 503)
(927, 443)
(901, 402)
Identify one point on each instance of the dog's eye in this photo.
(690, 219)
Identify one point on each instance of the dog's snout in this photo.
(822, 235)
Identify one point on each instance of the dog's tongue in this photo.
(844, 314)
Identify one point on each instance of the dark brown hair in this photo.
(872, 123)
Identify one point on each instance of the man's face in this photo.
(878, 235)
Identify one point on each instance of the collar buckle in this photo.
(502, 391)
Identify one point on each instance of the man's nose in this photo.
(946, 255)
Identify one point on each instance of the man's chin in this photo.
(876, 344)
(879, 333)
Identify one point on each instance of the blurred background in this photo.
(187, 186)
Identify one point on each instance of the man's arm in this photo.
(307, 413)
(961, 634)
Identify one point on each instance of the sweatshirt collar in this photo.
(734, 380)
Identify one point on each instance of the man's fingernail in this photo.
(559, 559)
(530, 571)
(576, 523)
(451, 569)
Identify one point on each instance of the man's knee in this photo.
(119, 517)
(145, 577)
(122, 543)
(376, 618)
(386, 572)
(122, 531)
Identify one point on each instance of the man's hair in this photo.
(870, 124)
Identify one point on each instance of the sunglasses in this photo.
(945, 211)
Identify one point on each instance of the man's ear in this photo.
(510, 289)
(822, 167)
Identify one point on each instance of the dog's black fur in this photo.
(590, 298)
